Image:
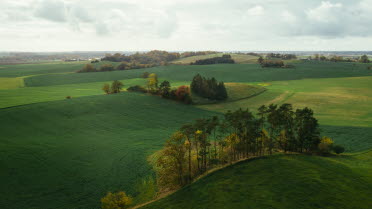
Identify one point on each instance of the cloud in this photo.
(53, 10)
(179, 24)
(326, 12)
(256, 11)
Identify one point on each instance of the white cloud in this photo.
(256, 11)
(326, 12)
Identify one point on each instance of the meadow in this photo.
(281, 181)
(67, 153)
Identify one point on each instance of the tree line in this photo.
(208, 88)
(206, 143)
(281, 56)
(225, 59)
(164, 89)
(335, 58)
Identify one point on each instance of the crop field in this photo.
(224, 72)
(281, 181)
(67, 153)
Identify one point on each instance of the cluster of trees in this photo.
(115, 87)
(88, 68)
(335, 58)
(206, 143)
(281, 56)
(271, 63)
(226, 58)
(208, 88)
(164, 90)
(364, 59)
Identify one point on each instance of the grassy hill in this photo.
(68, 154)
(281, 181)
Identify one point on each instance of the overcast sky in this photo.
(133, 25)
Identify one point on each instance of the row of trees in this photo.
(182, 93)
(153, 57)
(335, 58)
(208, 88)
(108, 67)
(281, 56)
(225, 59)
(205, 143)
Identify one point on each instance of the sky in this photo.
(182, 25)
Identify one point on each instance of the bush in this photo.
(338, 149)
(137, 88)
(272, 63)
(68, 97)
(123, 66)
(117, 200)
(87, 68)
(145, 75)
(183, 94)
(325, 145)
(107, 67)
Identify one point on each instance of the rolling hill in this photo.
(281, 182)
(68, 154)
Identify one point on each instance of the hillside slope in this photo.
(281, 182)
(68, 154)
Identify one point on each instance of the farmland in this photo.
(67, 153)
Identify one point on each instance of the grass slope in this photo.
(29, 95)
(281, 182)
(336, 101)
(235, 91)
(222, 72)
(68, 154)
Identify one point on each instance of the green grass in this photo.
(10, 83)
(239, 58)
(61, 153)
(222, 72)
(29, 95)
(336, 101)
(281, 182)
(235, 92)
(68, 154)
(24, 70)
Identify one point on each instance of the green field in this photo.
(224, 72)
(67, 153)
(281, 181)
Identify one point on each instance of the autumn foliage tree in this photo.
(117, 200)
